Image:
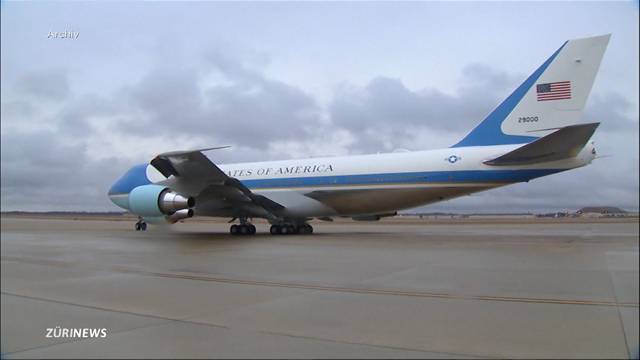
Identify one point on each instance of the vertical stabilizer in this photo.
(552, 97)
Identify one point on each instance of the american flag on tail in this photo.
(560, 90)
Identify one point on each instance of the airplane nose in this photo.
(119, 192)
(121, 200)
(111, 190)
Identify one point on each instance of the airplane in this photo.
(536, 131)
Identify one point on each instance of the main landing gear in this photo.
(141, 225)
(245, 228)
(288, 229)
(242, 229)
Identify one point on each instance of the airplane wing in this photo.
(191, 172)
(561, 144)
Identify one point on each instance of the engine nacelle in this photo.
(151, 201)
(171, 219)
(179, 215)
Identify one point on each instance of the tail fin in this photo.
(552, 97)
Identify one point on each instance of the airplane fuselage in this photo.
(376, 183)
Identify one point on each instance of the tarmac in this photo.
(394, 289)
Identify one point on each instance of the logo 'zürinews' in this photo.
(83, 333)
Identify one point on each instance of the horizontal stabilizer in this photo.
(561, 144)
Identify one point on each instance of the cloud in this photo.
(78, 143)
(387, 115)
(42, 171)
(44, 85)
(612, 110)
(240, 107)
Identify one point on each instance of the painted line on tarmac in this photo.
(381, 291)
(409, 293)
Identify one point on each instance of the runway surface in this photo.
(390, 289)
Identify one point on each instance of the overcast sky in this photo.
(282, 80)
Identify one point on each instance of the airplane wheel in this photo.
(143, 226)
(292, 229)
(242, 229)
(138, 226)
(307, 229)
(285, 229)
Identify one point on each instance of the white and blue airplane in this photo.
(534, 132)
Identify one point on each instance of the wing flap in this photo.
(561, 144)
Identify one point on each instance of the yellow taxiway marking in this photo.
(421, 294)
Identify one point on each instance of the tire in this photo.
(234, 229)
(137, 226)
(284, 230)
(252, 229)
(309, 229)
(244, 230)
(143, 226)
(274, 230)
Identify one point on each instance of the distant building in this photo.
(558, 214)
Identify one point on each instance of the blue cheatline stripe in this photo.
(133, 178)
(488, 132)
(505, 176)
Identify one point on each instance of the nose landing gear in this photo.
(141, 225)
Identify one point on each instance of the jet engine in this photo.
(171, 219)
(150, 201)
